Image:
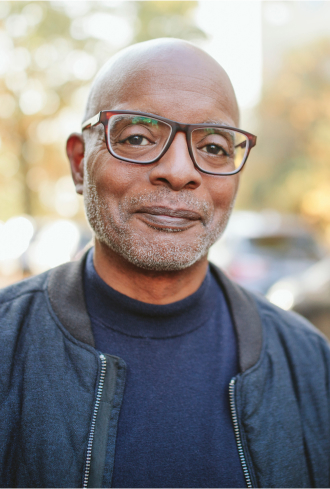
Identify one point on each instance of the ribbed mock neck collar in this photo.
(139, 319)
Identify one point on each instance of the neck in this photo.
(153, 287)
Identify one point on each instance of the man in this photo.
(142, 365)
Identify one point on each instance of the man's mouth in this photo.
(167, 218)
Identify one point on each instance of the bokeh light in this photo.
(56, 244)
(15, 237)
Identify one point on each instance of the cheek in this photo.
(117, 179)
(223, 191)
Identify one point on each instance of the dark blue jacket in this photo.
(60, 398)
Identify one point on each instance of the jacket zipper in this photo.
(237, 433)
(96, 408)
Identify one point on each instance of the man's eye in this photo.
(214, 149)
(136, 140)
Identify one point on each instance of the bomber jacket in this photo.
(60, 398)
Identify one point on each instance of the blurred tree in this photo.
(290, 168)
(167, 19)
(49, 52)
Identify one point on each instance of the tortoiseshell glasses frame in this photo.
(104, 116)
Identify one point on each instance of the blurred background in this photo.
(277, 54)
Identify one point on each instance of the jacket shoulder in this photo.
(262, 327)
(291, 391)
(288, 322)
(24, 287)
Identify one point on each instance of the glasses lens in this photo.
(219, 150)
(137, 138)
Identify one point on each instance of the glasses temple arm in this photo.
(91, 122)
(243, 144)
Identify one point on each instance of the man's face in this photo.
(162, 216)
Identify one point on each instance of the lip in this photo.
(167, 218)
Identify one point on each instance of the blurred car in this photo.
(307, 293)
(258, 249)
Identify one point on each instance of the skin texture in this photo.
(154, 223)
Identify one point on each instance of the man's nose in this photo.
(176, 168)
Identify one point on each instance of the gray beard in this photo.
(162, 253)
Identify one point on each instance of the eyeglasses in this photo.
(142, 138)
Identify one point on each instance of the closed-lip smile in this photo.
(167, 218)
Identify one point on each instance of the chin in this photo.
(158, 263)
(155, 256)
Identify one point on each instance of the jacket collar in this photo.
(66, 294)
(246, 319)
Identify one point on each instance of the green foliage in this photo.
(167, 19)
(290, 168)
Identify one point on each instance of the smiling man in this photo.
(142, 365)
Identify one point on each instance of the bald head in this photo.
(160, 66)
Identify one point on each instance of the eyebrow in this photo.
(147, 110)
(218, 122)
(208, 121)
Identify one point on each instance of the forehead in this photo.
(186, 95)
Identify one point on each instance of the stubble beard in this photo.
(111, 226)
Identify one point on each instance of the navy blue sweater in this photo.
(175, 427)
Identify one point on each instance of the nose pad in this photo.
(176, 168)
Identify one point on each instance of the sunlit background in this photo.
(277, 54)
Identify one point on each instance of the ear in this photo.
(75, 149)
